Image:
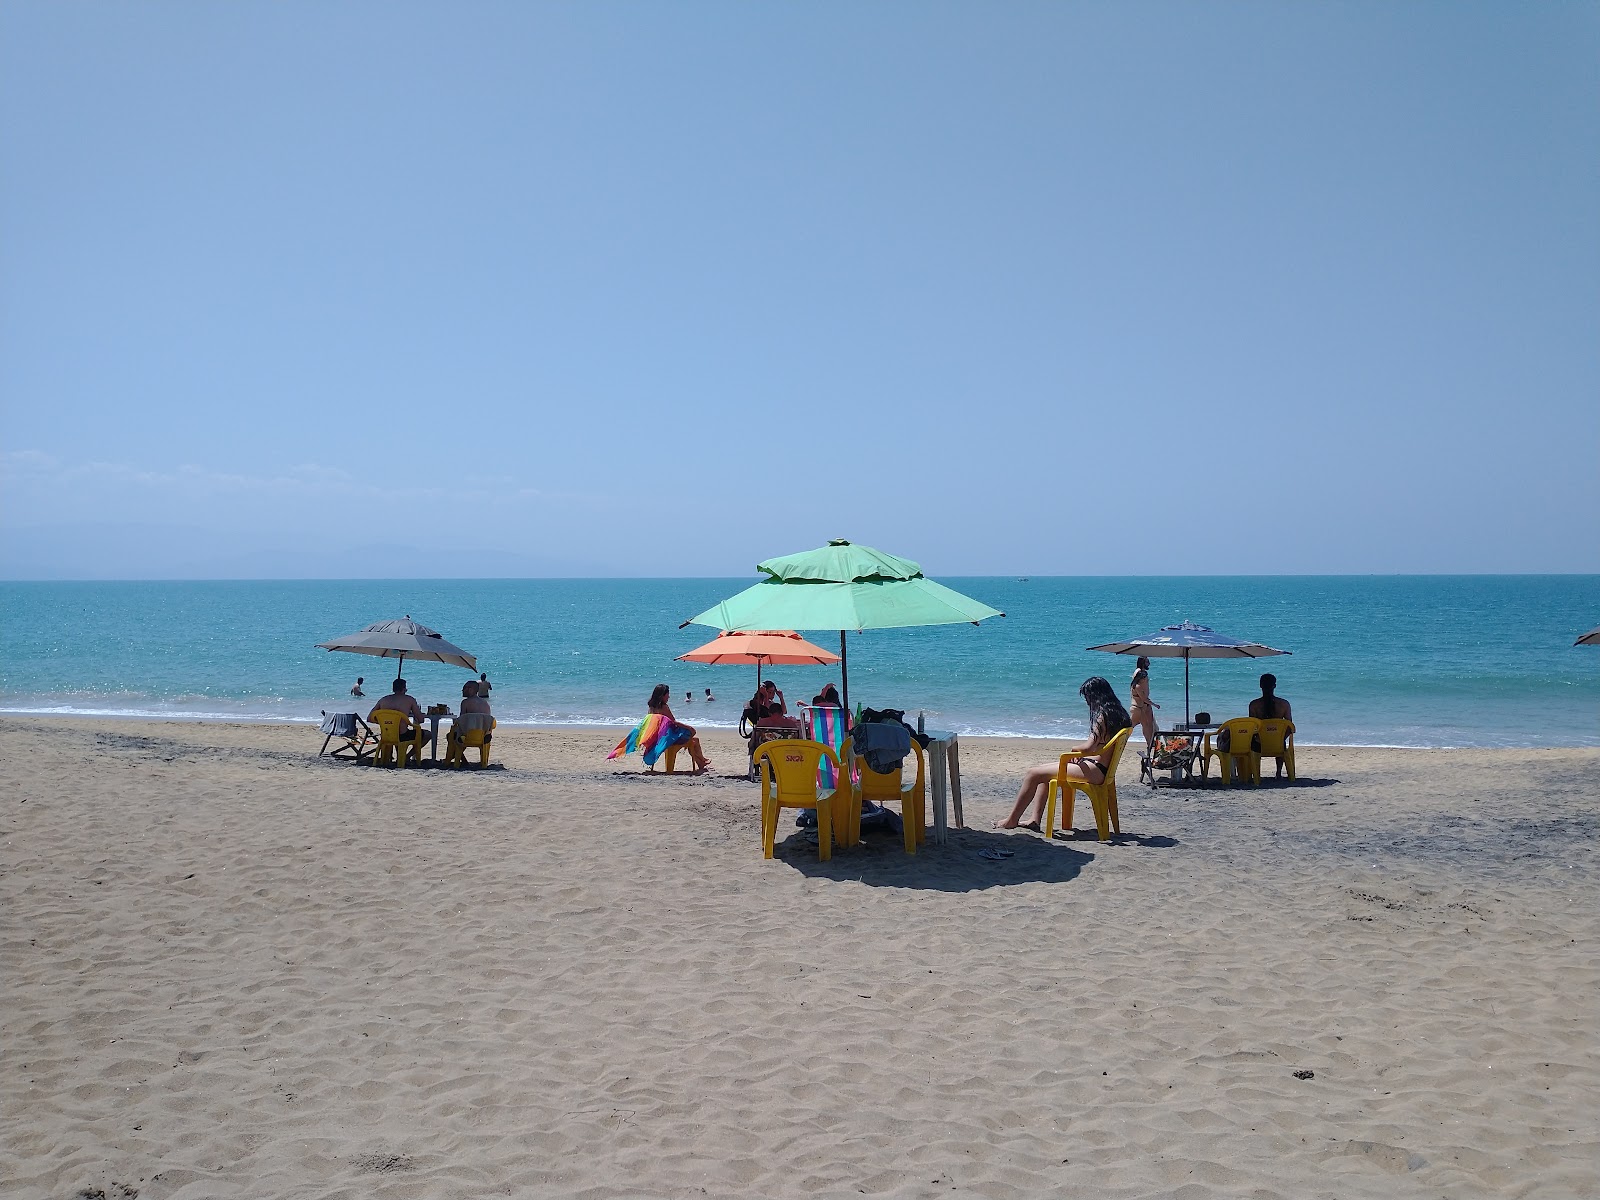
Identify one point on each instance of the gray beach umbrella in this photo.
(1592, 638)
(402, 639)
(1188, 641)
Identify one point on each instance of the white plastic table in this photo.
(433, 720)
(944, 771)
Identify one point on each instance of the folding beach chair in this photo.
(826, 725)
(770, 729)
(359, 740)
(1175, 753)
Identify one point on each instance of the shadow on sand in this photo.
(973, 860)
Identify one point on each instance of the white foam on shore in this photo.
(603, 722)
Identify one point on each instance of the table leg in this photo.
(955, 779)
(939, 785)
(433, 742)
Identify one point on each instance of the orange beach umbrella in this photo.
(769, 647)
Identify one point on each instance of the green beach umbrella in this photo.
(843, 586)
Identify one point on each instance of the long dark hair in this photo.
(660, 695)
(1269, 694)
(1107, 717)
(829, 695)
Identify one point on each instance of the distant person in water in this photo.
(709, 696)
(1140, 708)
(484, 686)
(1269, 705)
(356, 691)
(688, 697)
(1107, 718)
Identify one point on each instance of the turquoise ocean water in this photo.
(1377, 660)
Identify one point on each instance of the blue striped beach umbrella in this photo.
(1188, 641)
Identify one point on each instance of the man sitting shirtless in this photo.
(398, 701)
(472, 702)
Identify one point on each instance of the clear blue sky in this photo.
(644, 288)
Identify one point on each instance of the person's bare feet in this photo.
(1002, 823)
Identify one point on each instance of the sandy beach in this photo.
(231, 968)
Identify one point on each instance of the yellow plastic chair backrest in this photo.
(473, 729)
(789, 770)
(889, 785)
(1275, 735)
(390, 725)
(1117, 745)
(1240, 731)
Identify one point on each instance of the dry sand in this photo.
(234, 969)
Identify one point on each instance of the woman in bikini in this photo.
(1107, 718)
(660, 706)
(1141, 710)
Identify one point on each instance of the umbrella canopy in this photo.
(773, 646)
(843, 586)
(402, 639)
(768, 647)
(1188, 641)
(1592, 638)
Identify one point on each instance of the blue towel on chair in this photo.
(883, 744)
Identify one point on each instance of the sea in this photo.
(1423, 661)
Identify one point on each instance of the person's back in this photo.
(398, 701)
(1269, 705)
(473, 700)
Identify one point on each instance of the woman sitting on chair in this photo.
(1107, 718)
(828, 697)
(660, 706)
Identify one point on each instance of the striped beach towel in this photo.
(827, 725)
(654, 735)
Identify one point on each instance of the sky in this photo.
(399, 289)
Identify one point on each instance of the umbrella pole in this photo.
(1186, 686)
(844, 673)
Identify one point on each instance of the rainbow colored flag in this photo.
(654, 735)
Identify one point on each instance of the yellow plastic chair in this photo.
(1277, 741)
(392, 749)
(1242, 734)
(1102, 796)
(789, 780)
(890, 786)
(470, 729)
